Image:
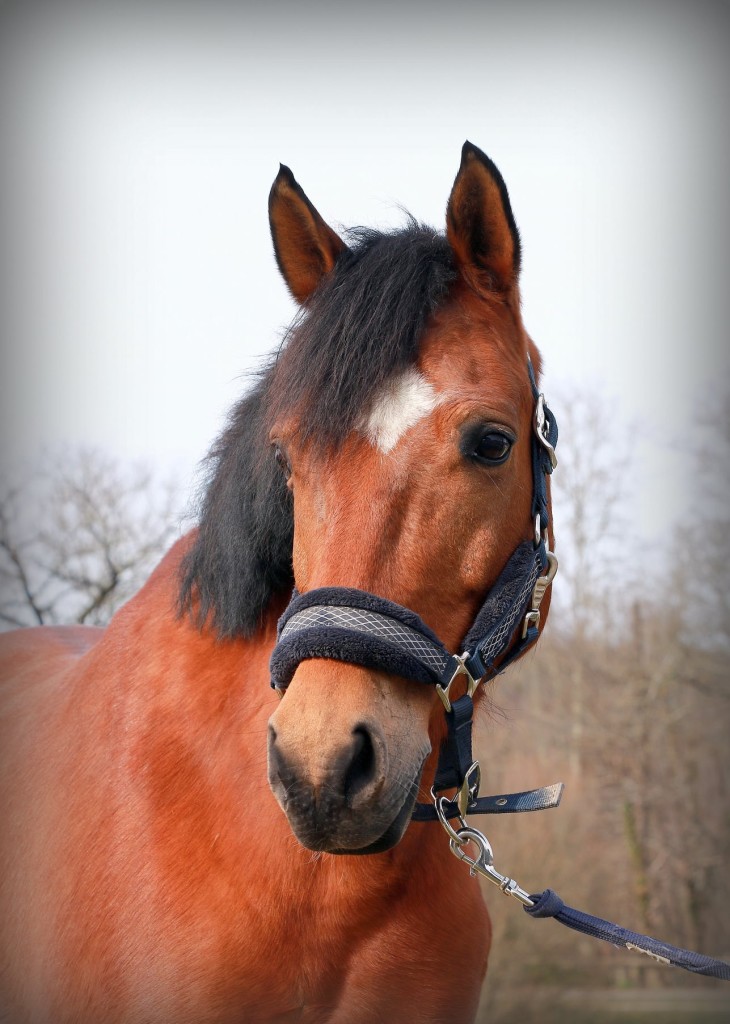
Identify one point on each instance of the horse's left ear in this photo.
(306, 247)
(480, 226)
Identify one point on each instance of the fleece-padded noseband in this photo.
(355, 626)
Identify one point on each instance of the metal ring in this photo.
(452, 833)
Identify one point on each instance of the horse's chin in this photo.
(393, 833)
(351, 844)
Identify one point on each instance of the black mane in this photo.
(361, 326)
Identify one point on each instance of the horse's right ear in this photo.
(306, 248)
(480, 226)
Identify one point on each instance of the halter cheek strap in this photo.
(364, 629)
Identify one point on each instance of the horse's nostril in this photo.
(361, 770)
(280, 771)
(316, 794)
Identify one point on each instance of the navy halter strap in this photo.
(364, 629)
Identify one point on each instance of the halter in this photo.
(344, 624)
(358, 627)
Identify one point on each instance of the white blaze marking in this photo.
(403, 401)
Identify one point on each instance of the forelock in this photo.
(361, 327)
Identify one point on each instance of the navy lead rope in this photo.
(549, 904)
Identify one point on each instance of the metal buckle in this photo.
(537, 530)
(439, 803)
(541, 429)
(460, 670)
(469, 790)
(465, 795)
(532, 618)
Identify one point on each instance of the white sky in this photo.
(141, 148)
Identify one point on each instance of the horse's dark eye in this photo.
(282, 461)
(493, 448)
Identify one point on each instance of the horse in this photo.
(181, 842)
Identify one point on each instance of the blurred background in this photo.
(138, 290)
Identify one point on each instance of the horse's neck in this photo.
(170, 663)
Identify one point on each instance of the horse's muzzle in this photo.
(347, 803)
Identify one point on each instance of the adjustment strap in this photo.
(455, 756)
(544, 439)
(504, 803)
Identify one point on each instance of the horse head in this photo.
(396, 426)
(420, 496)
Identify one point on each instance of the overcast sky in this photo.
(140, 144)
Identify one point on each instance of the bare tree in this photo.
(588, 492)
(702, 547)
(79, 537)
